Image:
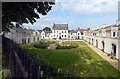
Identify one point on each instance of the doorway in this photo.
(28, 40)
(59, 37)
(114, 49)
(97, 43)
(103, 46)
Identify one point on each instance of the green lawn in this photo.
(82, 62)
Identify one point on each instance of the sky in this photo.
(79, 13)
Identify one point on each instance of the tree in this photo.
(46, 29)
(23, 12)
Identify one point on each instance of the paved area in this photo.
(115, 63)
(53, 46)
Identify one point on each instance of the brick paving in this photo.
(115, 63)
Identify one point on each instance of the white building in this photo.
(72, 34)
(106, 38)
(23, 35)
(60, 31)
(81, 33)
(46, 35)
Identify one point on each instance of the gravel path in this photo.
(53, 46)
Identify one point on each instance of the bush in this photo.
(67, 47)
(41, 45)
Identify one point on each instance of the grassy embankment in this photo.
(82, 61)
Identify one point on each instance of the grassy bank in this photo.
(82, 62)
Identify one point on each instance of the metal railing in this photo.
(18, 61)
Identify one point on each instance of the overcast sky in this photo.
(79, 13)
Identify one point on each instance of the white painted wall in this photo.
(108, 44)
(58, 33)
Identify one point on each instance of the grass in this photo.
(82, 62)
(59, 58)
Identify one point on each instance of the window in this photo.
(113, 34)
(62, 31)
(59, 33)
(104, 33)
(65, 35)
(82, 33)
(78, 33)
(54, 31)
(62, 35)
(117, 34)
(65, 31)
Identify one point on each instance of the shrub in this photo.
(67, 47)
(41, 45)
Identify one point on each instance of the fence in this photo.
(18, 61)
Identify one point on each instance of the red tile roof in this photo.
(82, 29)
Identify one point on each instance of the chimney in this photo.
(78, 28)
(88, 28)
(117, 22)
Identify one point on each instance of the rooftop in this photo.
(60, 27)
(72, 31)
(82, 29)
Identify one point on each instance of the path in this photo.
(53, 46)
(113, 62)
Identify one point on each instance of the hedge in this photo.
(40, 45)
(67, 47)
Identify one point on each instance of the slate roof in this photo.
(115, 25)
(60, 27)
(23, 30)
(96, 30)
(46, 32)
(110, 26)
(72, 31)
(39, 31)
(107, 26)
